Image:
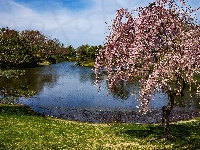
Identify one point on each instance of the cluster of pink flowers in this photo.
(159, 47)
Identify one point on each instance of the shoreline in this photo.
(116, 116)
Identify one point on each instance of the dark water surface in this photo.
(68, 91)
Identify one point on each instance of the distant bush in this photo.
(86, 54)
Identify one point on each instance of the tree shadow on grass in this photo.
(142, 133)
(185, 135)
(17, 110)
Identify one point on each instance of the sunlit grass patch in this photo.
(44, 63)
(89, 64)
(21, 128)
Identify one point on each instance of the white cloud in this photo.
(71, 28)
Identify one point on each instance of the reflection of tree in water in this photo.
(123, 90)
(32, 81)
(37, 79)
(189, 99)
(87, 77)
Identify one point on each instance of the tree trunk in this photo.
(166, 110)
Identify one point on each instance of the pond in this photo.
(68, 91)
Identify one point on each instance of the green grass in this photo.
(44, 63)
(21, 128)
(89, 64)
(86, 64)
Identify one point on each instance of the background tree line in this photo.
(86, 54)
(27, 48)
(30, 48)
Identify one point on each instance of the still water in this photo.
(68, 85)
(65, 86)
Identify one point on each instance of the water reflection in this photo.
(190, 99)
(67, 86)
(72, 86)
(34, 79)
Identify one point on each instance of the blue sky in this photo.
(73, 22)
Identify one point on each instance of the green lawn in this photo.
(21, 128)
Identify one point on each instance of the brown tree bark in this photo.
(166, 110)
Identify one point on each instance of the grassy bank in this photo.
(86, 64)
(21, 128)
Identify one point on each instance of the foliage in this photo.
(9, 95)
(11, 73)
(86, 54)
(160, 47)
(21, 128)
(17, 92)
(14, 50)
(30, 48)
(45, 47)
(26, 48)
(71, 53)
